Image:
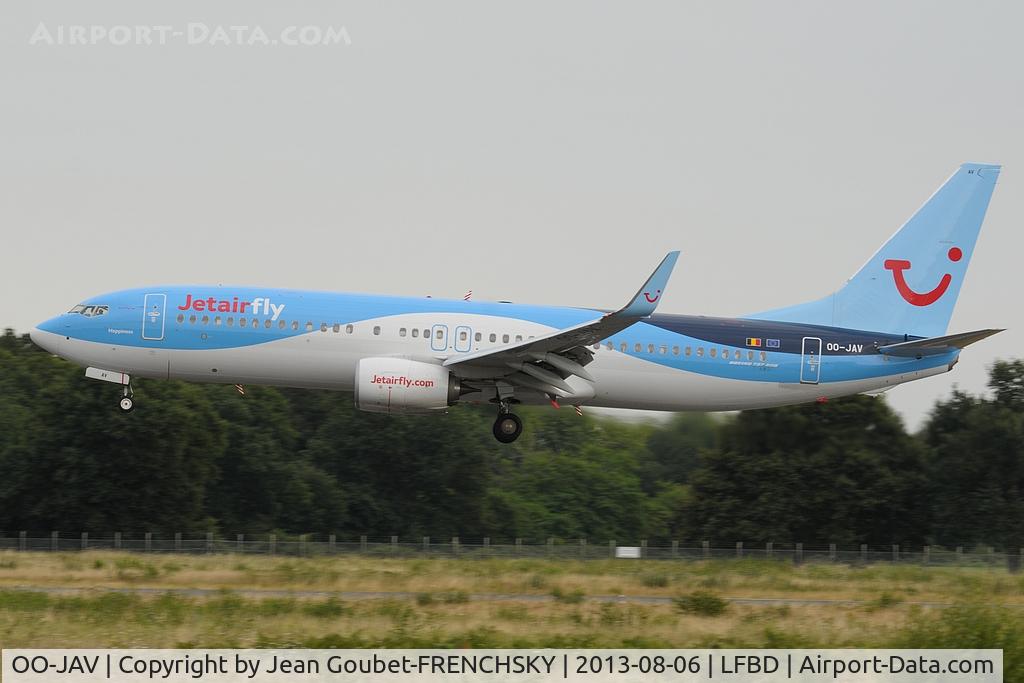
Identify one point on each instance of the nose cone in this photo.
(46, 334)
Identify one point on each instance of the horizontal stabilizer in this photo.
(935, 346)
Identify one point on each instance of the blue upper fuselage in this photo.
(215, 317)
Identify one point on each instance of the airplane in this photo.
(885, 326)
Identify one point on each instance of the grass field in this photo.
(980, 607)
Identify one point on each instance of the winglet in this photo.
(936, 345)
(647, 298)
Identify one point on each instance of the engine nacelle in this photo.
(400, 385)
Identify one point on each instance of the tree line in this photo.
(200, 458)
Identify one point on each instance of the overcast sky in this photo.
(539, 152)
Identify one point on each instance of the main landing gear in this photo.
(508, 426)
(127, 403)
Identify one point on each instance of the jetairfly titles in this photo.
(886, 326)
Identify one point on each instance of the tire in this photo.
(127, 405)
(507, 428)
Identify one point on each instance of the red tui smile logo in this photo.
(652, 299)
(897, 267)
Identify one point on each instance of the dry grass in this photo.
(440, 611)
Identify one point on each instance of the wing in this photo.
(543, 363)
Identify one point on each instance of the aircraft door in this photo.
(439, 338)
(810, 361)
(155, 306)
(463, 338)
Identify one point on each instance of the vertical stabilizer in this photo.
(912, 283)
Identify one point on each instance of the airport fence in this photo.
(578, 549)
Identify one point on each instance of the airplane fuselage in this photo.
(241, 335)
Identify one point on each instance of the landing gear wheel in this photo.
(507, 428)
(127, 405)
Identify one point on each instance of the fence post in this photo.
(864, 553)
(583, 548)
(177, 542)
(798, 557)
(85, 540)
(551, 545)
(117, 540)
(332, 541)
(611, 548)
(149, 541)
(362, 544)
(22, 540)
(209, 541)
(426, 545)
(768, 548)
(54, 541)
(487, 546)
(832, 552)
(273, 544)
(240, 543)
(643, 548)
(394, 544)
(959, 554)
(455, 546)
(519, 547)
(927, 554)
(706, 548)
(302, 545)
(675, 548)
(895, 552)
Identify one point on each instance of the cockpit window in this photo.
(90, 310)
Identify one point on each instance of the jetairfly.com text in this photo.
(402, 381)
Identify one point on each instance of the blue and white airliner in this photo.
(885, 326)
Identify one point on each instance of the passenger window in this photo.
(493, 337)
(675, 350)
(700, 352)
(764, 356)
(216, 321)
(687, 352)
(504, 339)
(192, 319)
(206, 320)
(401, 331)
(463, 336)
(243, 322)
(267, 323)
(426, 334)
(650, 348)
(349, 329)
(736, 354)
(725, 354)
(623, 347)
(323, 327)
(519, 337)
(440, 333)
(415, 332)
(376, 330)
(478, 336)
(281, 324)
(181, 317)
(638, 347)
(750, 355)
(309, 326)
(663, 349)
(295, 326)
(713, 353)
(336, 328)
(231, 321)
(255, 324)
(597, 346)
(610, 346)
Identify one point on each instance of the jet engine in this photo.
(400, 385)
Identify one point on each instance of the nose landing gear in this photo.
(127, 403)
